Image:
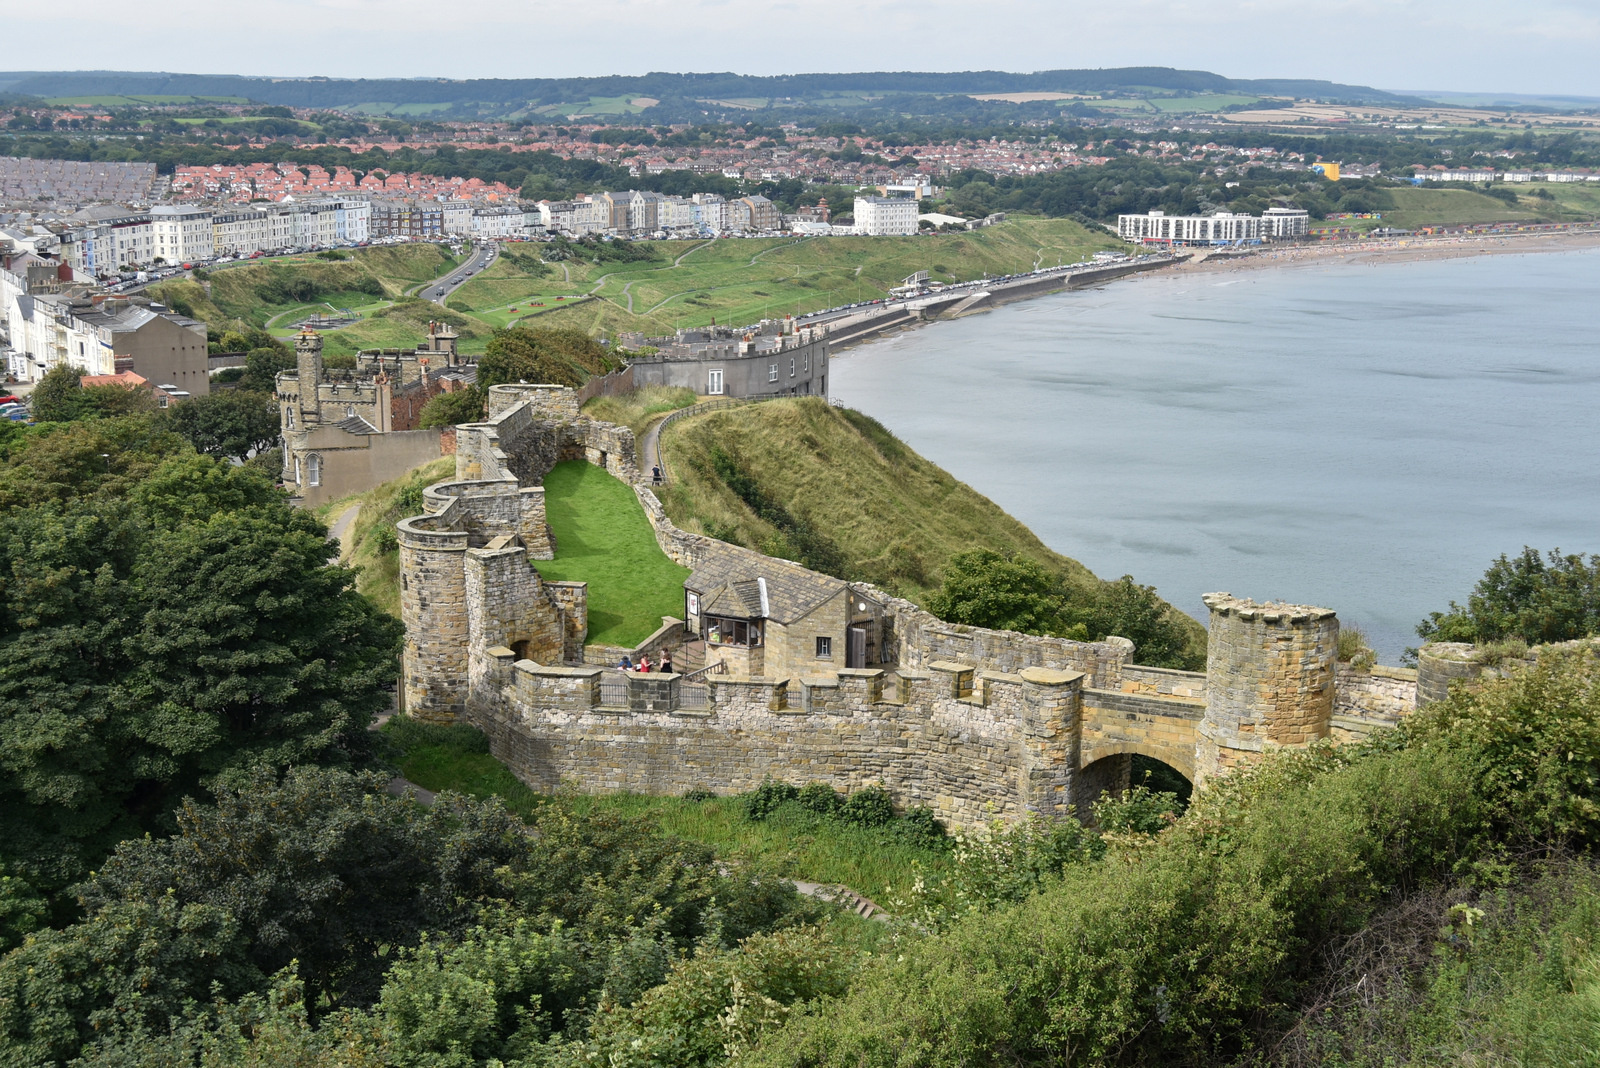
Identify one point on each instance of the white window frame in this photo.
(714, 382)
(772, 373)
(824, 647)
(791, 366)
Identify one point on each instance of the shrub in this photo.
(819, 797)
(699, 793)
(767, 798)
(867, 807)
(919, 826)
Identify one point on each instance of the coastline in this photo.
(1371, 253)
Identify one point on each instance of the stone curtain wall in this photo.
(1012, 752)
(966, 719)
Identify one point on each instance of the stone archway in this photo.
(1110, 768)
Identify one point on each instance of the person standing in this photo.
(644, 664)
(666, 661)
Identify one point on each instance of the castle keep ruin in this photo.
(827, 680)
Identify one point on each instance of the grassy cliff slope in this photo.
(853, 493)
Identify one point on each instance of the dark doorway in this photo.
(1159, 778)
(855, 653)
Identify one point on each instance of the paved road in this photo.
(439, 289)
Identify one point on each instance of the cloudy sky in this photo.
(1522, 46)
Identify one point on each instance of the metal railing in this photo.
(613, 689)
(693, 692)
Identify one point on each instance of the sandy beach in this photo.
(1390, 250)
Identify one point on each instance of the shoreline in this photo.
(1370, 253)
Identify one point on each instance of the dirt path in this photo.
(340, 530)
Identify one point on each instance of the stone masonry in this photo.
(967, 721)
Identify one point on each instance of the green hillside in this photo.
(855, 495)
(742, 280)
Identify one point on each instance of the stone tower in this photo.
(434, 658)
(1269, 680)
(308, 366)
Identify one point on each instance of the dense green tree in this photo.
(562, 356)
(157, 634)
(228, 423)
(985, 589)
(1534, 598)
(1133, 611)
(261, 368)
(452, 409)
(57, 396)
(322, 868)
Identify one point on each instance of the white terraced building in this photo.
(1159, 228)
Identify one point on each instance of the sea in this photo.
(1364, 436)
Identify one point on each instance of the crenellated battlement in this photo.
(965, 720)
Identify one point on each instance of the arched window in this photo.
(314, 470)
(297, 470)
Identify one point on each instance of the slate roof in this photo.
(727, 587)
(354, 424)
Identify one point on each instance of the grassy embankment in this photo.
(603, 538)
(740, 281)
(1436, 205)
(371, 282)
(895, 518)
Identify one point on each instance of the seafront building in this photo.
(885, 216)
(1221, 228)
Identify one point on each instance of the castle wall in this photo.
(966, 717)
(1014, 750)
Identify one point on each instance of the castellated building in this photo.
(347, 430)
(790, 674)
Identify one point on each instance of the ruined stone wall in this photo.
(1015, 750)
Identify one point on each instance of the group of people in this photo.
(665, 667)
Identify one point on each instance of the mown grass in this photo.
(603, 538)
(800, 844)
(1433, 207)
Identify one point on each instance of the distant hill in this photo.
(666, 92)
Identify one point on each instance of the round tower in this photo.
(433, 606)
(1269, 680)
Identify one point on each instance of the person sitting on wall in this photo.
(625, 664)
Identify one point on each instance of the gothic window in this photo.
(314, 470)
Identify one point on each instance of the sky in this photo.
(1511, 46)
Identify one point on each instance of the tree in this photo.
(1537, 599)
(228, 423)
(561, 356)
(161, 633)
(261, 367)
(452, 409)
(984, 589)
(59, 395)
(323, 868)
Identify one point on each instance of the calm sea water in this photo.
(1363, 437)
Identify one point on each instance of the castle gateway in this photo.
(810, 678)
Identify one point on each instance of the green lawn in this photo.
(603, 538)
(803, 845)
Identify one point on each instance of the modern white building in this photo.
(1284, 224)
(884, 216)
(1159, 228)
